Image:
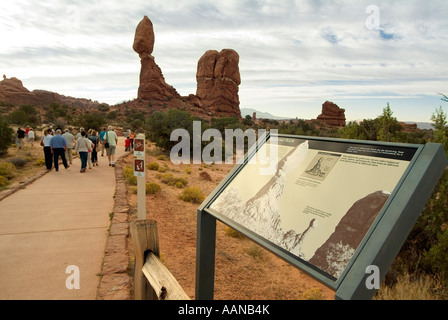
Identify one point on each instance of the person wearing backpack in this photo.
(96, 140)
(111, 140)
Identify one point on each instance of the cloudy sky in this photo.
(294, 54)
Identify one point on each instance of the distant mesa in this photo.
(13, 92)
(218, 79)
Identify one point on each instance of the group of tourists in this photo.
(28, 133)
(86, 144)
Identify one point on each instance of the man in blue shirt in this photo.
(58, 146)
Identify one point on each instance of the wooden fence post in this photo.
(144, 238)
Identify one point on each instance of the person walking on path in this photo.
(70, 142)
(127, 144)
(95, 140)
(26, 133)
(78, 135)
(89, 154)
(58, 147)
(112, 139)
(103, 140)
(31, 137)
(47, 149)
(82, 148)
(20, 137)
(131, 137)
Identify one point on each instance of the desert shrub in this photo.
(192, 194)
(179, 184)
(230, 232)
(18, 117)
(169, 179)
(18, 162)
(6, 134)
(153, 188)
(153, 166)
(312, 294)
(160, 125)
(255, 251)
(162, 157)
(188, 170)
(129, 176)
(94, 120)
(3, 182)
(436, 258)
(165, 178)
(8, 170)
(40, 162)
(425, 248)
(407, 287)
(155, 152)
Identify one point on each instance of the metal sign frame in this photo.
(379, 247)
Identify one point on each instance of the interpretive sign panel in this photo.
(322, 202)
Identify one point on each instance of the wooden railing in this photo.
(152, 280)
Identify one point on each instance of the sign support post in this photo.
(139, 172)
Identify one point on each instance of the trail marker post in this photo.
(139, 172)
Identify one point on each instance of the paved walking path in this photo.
(58, 221)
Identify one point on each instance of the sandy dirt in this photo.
(244, 270)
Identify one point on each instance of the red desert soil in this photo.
(244, 270)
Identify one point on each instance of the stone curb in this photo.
(115, 283)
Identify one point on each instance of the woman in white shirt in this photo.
(83, 147)
(31, 137)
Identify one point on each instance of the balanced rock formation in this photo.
(332, 115)
(218, 78)
(152, 83)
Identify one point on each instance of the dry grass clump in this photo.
(424, 287)
(154, 166)
(255, 251)
(153, 188)
(312, 294)
(230, 232)
(8, 170)
(169, 179)
(192, 194)
(129, 176)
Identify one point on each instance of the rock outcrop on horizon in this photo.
(218, 79)
(332, 115)
(152, 82)
(13, 92)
